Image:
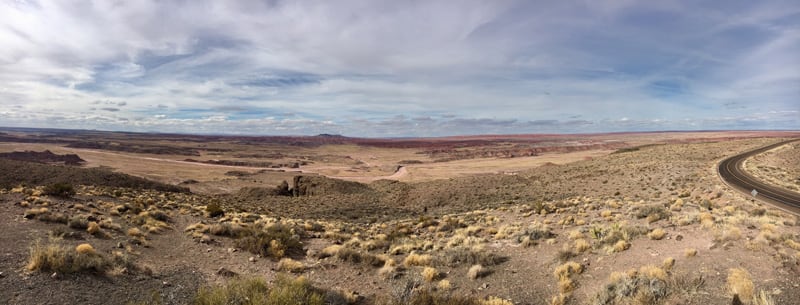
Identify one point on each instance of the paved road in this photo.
(730, 170)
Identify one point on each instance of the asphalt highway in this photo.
(731, 171)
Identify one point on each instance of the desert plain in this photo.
(93, 217)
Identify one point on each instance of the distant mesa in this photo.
(46, 157)
(328, 135)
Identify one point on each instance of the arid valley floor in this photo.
(628, 218)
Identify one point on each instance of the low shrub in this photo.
(60, 189)
(55, 257)
(653, 212)
(275, 241)
(430, 274)
(78, 222)
(290, 265)
(415, 259)
(357, 257)
(411, 292)
(253, 291)
(214, 210)
(647, 286)
(460, 256)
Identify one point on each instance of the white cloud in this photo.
(224, 66)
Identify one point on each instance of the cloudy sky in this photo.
(400, 68)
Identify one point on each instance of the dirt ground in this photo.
(780, 166)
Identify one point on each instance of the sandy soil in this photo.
(780, 166)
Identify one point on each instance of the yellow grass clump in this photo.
(476, 271)
(560, 299)
(290, 265)
(739, 283)
(430, 274)
(93, 228)
(763, 299)
(706, 220)
(492, 300)
(689, 252)
(329, 251)
(656, 234)
(566, 285)
(668, 263)
(389, 268)
(575, 234)
(792, 244)
(567, 269)
(620, 246)
(415, 259)
(46, 257)
(582, 245)
(606, 214)
(444, 285)
(653, 272)
(506, 231)
(135, 232)
(85, 249)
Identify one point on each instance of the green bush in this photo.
(214, 210)
(274, 241)
(60, 189)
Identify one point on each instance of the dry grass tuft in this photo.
(792, 244)
(85, 249)
(492, 300)
(329, 251)
(731, 233)
(415, 259)
(653, 272)
(54, 257)
(93, 228)
(668, 263)
(567, 269)
(581, 245)
(560, 299)
(255, 291)
(763, 299)
(565, 285)
(656, 234)
(575, 234)
(289, 265)
(468, 256)
(444, 285)
(135, 232)
(645, 286)
(389, 269)
(476, 271)
(430, 274)
(620, 246)
(740, 284)
(689, 252)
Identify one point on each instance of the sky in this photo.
(400, 68)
